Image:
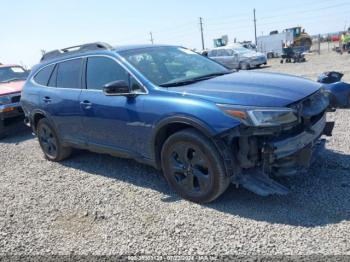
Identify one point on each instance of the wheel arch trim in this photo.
(173, 120)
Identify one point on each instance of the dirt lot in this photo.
(97, 204)
(316, 64)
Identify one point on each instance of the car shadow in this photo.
(261, 67)
(16, 132)
(319, 198)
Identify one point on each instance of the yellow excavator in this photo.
(301, 40)
(294, 51)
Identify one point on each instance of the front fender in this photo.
(183, 119)
(202, 115)
(340, 92)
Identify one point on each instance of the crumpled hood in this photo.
(11, 87)
(251, 89)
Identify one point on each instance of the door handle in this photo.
(86, 104)
(47, 99)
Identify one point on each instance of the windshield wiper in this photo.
(194, 80)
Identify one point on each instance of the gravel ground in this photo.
(315, 65)
(97, 204)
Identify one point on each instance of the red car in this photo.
(12, 78)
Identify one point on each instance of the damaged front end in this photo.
(263, 153)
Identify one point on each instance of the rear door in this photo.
(234, 60)
(61, 99)
(227, 58)
(110, 122)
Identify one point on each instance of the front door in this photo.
(109, 121)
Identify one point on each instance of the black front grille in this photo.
(314, 119)
(15, 99)
(310, 110)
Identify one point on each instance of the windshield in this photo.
(242, 50)
(165, 65)
(13, 73)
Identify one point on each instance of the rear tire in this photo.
(50, 143)
(193, 166)
(244, 66)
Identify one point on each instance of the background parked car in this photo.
(237, 57)
(12, 79)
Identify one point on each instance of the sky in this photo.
(27, 27)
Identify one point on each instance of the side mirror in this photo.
(117, 88)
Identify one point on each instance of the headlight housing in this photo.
(261, 116)
(5, 100)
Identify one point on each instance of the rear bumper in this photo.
(10, 111)
(258, 62)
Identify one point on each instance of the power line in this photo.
(309, 10)
(175, 28)
(230, 19)
(211, 28)
(226, 17)
(240, 19)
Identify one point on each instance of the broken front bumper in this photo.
(282, 156)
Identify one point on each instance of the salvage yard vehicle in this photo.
(237, 57)
(339, 91)
(295, 38)
(12, 79)
(203, 125)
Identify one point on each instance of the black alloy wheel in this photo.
(50, 143)
(193, 166)
(190, 168)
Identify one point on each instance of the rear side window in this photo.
(103, 70)
(42, 78)
(68, 74)
(222, 52)
(213, 53)
(229, 52)
(53, 78)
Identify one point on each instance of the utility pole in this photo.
(152, 40)
(256, 41)
(201, 26)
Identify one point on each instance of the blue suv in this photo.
(202, 124)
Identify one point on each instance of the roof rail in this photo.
(75, 49)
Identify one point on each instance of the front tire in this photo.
(50, 143)
(193, 166)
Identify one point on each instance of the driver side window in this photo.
(102, 70)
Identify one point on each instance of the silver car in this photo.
(237, 57)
